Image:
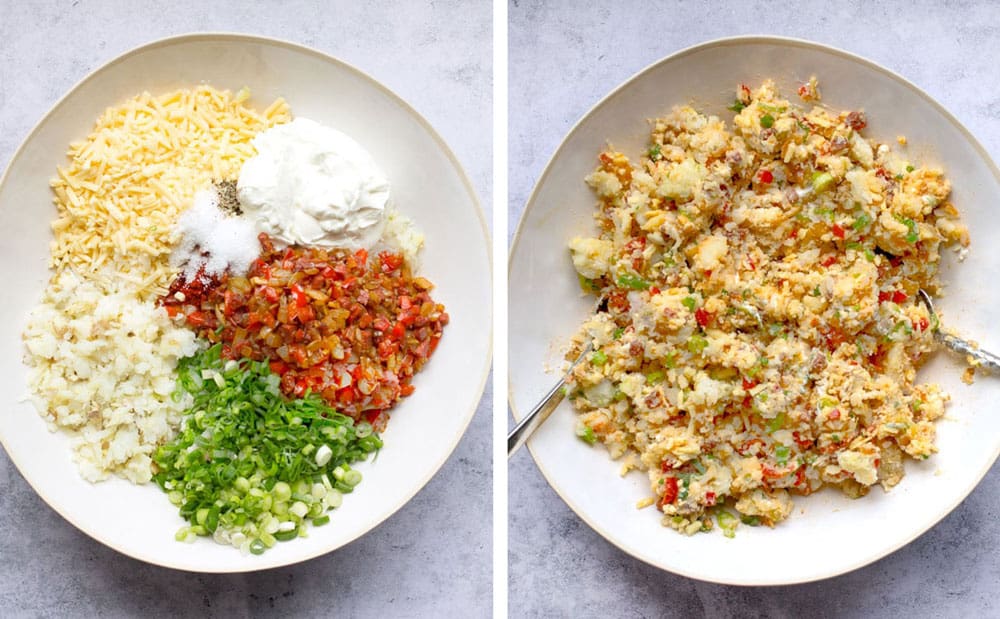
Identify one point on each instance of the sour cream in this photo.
(313, 185)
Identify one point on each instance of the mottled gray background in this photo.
(435, 553)
(563, 59)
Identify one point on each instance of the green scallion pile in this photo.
(251, 467)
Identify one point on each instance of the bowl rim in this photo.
(245, 38)
(792, 42)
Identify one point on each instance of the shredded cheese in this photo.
(129, 180)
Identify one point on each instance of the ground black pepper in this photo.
(229, 200)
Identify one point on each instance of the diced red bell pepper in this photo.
(702, 317)
(228, 303)
(269, 293)
(301, 299)
(279, 367)
(390, 261)
(386, 348)
(197, 318)
(347, 395)
(398, 331)
(669, 491)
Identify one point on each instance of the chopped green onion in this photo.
(284, 536)
(654, 377)
(598, 357)
(586, 434)
(777, 423)
(685, 485)
(823, 211)
(910, 168)
(617, 335)
(632, 281)
(318, 522)
(861, 222)
(821, 181)
(697, 343)
(352, 478)
(737, 106)
(770, 108)
(767, 121)
(727, 522)
(247, 452)
(689, 302)
(781, 454)
(654, 152)
(587, 284)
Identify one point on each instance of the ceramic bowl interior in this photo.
(429, 185)
(827, 533)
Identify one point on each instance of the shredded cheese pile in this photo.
(130, 179)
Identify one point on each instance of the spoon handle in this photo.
(519, 435)
(986, 359)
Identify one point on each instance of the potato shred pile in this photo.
(762, 333)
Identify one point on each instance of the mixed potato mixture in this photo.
(762, 331)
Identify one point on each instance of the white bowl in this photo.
(429, 186)
(827, 533)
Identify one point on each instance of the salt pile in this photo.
(213, 241)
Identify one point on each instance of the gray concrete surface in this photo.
(431, 558)
(563, 59)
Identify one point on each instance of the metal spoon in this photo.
(986, 359)
(519, 435)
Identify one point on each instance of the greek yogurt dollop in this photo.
(313, 185)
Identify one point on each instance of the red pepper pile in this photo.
(332, 322)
